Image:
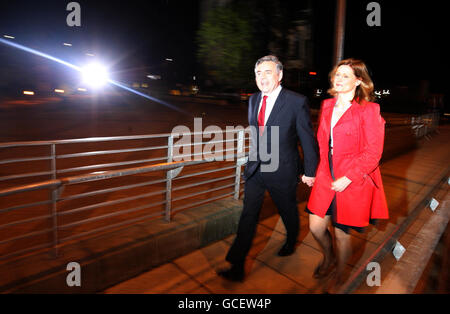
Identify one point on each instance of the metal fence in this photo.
(47, 213)
(425, 124)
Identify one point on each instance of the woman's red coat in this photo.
(358, 139)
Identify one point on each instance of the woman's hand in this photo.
(340, 184)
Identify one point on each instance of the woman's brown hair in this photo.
(364, 91)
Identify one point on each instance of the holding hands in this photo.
(339, 185)
(308, 180)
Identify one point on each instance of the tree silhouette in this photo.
(225, 48)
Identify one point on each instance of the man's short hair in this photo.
(271, 58)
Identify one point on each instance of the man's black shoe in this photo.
(286, 250)
(235, 273)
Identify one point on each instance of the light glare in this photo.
(118, 84)
(95, 75)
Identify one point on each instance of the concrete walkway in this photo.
(410, 180)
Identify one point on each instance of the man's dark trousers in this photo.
(286, 203)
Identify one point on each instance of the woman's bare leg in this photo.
(344, 252)
(319, 229)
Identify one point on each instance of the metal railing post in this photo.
(53, 160)
(55, 196)
(240, 155)
(168, 207)
(426, 119)
(436, 121)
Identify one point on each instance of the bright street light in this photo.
(95, 75)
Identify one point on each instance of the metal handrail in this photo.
(106, 175)
(53, 170)
(85, 140)
(172, 169)
(31, 187)
(106, 139)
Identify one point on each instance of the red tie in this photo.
(261, 116)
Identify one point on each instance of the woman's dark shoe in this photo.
(335, 283)
(322, 270)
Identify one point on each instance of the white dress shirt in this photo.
(270, 102)
(338, 112)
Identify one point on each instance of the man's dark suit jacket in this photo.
(291, 114)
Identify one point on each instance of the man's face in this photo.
(267, 77)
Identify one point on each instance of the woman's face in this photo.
(344, 80)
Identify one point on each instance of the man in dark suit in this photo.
(278, 119)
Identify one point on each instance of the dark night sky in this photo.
(128, 34)
(409, 46)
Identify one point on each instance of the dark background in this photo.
(408, 49)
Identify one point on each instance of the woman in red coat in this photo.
(348, 190)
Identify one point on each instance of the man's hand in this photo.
(308, 180)
(340, 184)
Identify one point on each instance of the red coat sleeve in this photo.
(372, 137)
